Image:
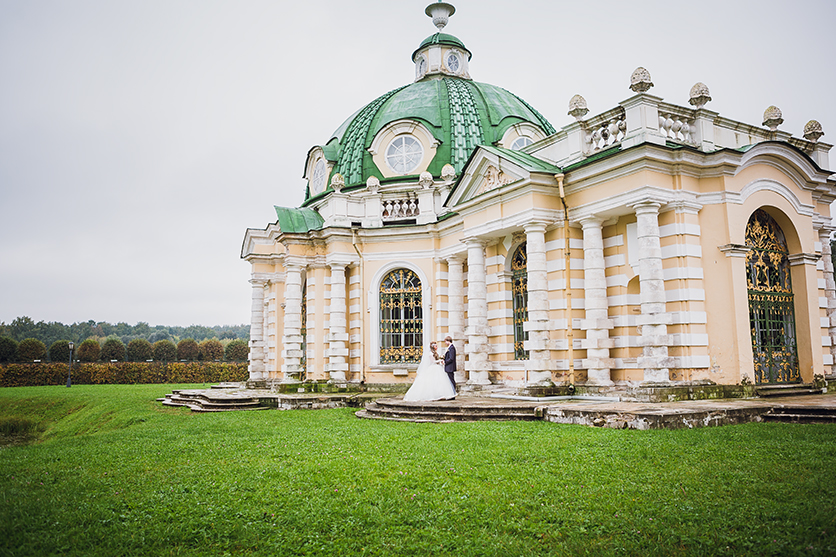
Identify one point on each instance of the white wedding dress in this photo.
(431, 382)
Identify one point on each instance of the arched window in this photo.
(401, 322)
(519, 272)
(771, 314)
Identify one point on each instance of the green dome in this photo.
(445, 39)
(461, 114)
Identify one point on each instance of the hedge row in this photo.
(30, 375)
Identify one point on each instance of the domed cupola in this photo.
(437, 120)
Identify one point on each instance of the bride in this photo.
(431, 383)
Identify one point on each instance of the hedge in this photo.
(30, 375)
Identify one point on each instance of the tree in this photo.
(113, 349)
(8, 350)
(164, 351)
(187, 349)
(31, 349)
(211, 350)
(59, 351)
(237, 350)
(89, 350)
(139, 350)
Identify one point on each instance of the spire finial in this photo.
(440, 12)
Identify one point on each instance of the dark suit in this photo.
(450, 363)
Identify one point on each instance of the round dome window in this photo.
(453, 63)
(318, 179)
(521, 142)
(404, 154)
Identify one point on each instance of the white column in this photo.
(292, 337)
(596, 323)
(654, 319)
(455, 311)
(539, 363)
(829, 290)
(478, 365)
(338, 333)
(256, 366)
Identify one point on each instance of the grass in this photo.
(114, 473)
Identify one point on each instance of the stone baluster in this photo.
(829, 291)
(455, 310)
(256, 357)
(596, 323)
(338, 333)
(654, 318)
(539, 364)
(292, 337)
(478, 365)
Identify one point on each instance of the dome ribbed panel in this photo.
(465, 125)
(350, 164)
(545, 123)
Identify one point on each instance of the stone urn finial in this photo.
(772, 118)
(337, 182)
(640, 81)
(448, 173)
(425, 180)
(440, 12)
(699, 95)
(577, 108)
(812, 131)
(373, 184)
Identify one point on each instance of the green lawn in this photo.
(114, 473)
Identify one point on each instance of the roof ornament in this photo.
(337, 182)
(640, 80)
(813, 131)
(699, 95)
(578, 108)
(772, 118)
(440, 12)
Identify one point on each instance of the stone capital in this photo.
(647, 206)
(535, 226)
(735, 250)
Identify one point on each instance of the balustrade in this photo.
(398, 209)
(606, 130)
(676, 126)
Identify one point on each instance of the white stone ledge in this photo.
(559, 264)
(577, 303)
(824, 323)
(822, 302)
(354, 308)
(825, 341)
(560, 284)
(820, 265)
(502, 330)
(502, 313)
(501, 296)
(354, 294)
(613, 241)
(617, 280)
(616, 260)
(675, 273)
(442, 275)
(623, 300)
(827, 359)
(355, 324)
(685, 294)
(822, 284)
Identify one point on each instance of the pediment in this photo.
(494, 168)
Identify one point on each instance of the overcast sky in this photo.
(140, 139)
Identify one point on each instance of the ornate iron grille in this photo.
(771, 313)
(401, 322)
(304, 331)
(519, 286)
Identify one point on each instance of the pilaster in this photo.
(256, 357)
(455, 311)
(478, 365)
(597, 322)
(292, 337)
(338, 332)
(539, 363)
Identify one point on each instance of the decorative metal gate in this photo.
(519, 286)
(401, 322)
(304, 331)
(771, 314)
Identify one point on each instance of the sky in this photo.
(140, 139)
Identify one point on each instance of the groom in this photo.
(450, 360)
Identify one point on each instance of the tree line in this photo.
(48, 332)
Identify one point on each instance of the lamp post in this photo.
(70, 371)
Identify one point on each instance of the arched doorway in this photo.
(519, 287)
(401, 321)
(771, 313)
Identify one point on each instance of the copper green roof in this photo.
(445, 39)
(297, 221)
(461, 114)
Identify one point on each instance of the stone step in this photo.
(800, 418)
(222, 402)
(797, 389)
(395, 409)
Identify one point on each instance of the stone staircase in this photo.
(205, 401)
(464, 409)
(795, 389)
(801, 415)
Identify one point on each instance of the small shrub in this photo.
(187, 349)
(60, 351)
(164, 351)
(8, 350)
(139, 350)
(113, 349)
(31, 349)
(237, 350)
(89, 351)
(211, 350)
